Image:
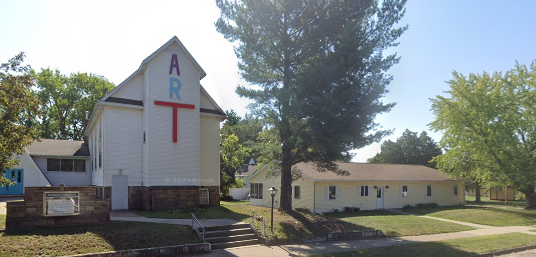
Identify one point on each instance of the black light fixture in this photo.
(273, 192)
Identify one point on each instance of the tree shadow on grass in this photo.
(321, 225)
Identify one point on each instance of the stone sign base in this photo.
(30, 212)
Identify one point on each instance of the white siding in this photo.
(206, 103)
(97, 173)
(65, 177)
(32, 175)
(349, 194)
(306, 191)
(123, 147)
(146, 131)
(173, 163)
(132, 90)
(210, 151)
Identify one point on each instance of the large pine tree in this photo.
(319, 72)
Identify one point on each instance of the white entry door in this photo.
(119, 192)
(379, 197)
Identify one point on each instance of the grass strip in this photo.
(491, 216)
(394, 225)
(447, 248)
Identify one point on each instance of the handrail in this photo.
(261, 219)
(201, 226)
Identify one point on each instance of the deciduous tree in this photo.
(409, 148)
(319, 73)
(492, 118)
(18, 105)
(232, 156)
(65, 99)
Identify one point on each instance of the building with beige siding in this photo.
(151, 143)
(361, 185)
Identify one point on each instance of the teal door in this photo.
(16, 176)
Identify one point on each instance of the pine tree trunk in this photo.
(531, 197)
(477, 186)
(286, 180)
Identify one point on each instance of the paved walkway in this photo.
(131, 216)
(398, 211)
(329, 246)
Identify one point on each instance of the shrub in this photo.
(428, 205)
(303, 210)
(226, 198)
(407, 206)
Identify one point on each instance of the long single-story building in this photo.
(151, 143)
(365, 186)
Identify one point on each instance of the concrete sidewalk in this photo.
(328, 246)
(131, 216)
(398, 211)
(354, 245)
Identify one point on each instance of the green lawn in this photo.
(455, 247)
(2, 221)
(394, 225)
(93, 238)
(296, 225)
(470, 199)
(491, 216)
(285, 226)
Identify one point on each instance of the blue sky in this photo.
(111, 38)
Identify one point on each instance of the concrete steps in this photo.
(236, 235)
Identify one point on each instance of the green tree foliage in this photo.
(410, 148)
(463, 166)
(247, 130)
(232, 156)
(65, 99)
(319, 72)
(492, 119)
(17, 106)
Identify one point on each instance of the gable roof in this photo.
(372, 172)
(246, 170)
(59, 148)
(144, 63)
(218, 108)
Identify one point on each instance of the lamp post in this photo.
(273, 192)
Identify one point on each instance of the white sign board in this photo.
(61, 203)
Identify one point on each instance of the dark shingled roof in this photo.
(56, 147)
(246, 170)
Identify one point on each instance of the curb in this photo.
(175, 250)
(503, 252)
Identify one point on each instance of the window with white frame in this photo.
(297, 193)
(255, 191)
(332, 192)
(428, 190)
(364, 191)
(73, 165)
(455, 190)
(404, 191)
(203, 196)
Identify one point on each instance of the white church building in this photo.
(152, 143)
